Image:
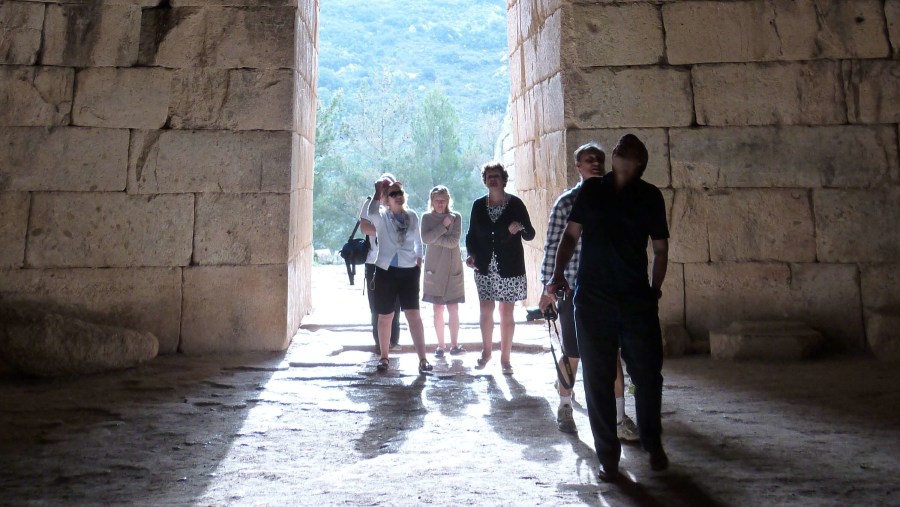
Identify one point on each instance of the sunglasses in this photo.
(395, 193)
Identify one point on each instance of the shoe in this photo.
(564, 420)
(383, 364)
(506, 368)
(424, 366)
(608, 473)
(482, 362)
(658, 460)
(395, 347)
(455, 351)
(627, 430)
(438, 352)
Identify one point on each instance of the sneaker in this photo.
(507, 368)
(627, 430)
(395, 347)
(455, 351)
(564, 419)
(438, 352)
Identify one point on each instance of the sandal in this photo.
(482, 362)
(506, 368)
(438, 352)
(455, 351)
(424, 366)
(383, 364)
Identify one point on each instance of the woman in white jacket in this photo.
(397, 267)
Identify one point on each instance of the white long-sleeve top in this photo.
(409, 252)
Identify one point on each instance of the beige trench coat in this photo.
(444, 276)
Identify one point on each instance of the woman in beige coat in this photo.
(444, 286)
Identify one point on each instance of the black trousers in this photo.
(395, 325)
(605, 322)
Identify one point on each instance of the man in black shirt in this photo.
(615, 305)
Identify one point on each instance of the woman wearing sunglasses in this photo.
(397, 267)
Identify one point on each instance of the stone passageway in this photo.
(311, 427)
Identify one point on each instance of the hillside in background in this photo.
(457, 45)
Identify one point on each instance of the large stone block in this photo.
(857, 225)
(122, 97)
(614, 35)
(704, 32)
(826, 156)
(219, 38)
(65, 158)
(769, 94)
(548, 47)
(656, 140)
(826, 296)
(873, 91)
(883, 331)
(235, 308)
(110, 230)
(13, 222)
(761, 225)
(671, 305)
(35, 96)
(765, 340)
(20, 32)
(881, 287)
(892, 13)
(628, 97)
(231, 162)
(91, 35)
(301, 225)
(232, 99)
(145, 299)
(299, 288)
(688, 229)
(241, 229)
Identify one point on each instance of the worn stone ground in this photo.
(316, 426)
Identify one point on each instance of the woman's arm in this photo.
(434, 232)
(528, 233)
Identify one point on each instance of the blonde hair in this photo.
(440, 189)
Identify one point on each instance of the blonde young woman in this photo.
(397, 267)
(444, 286)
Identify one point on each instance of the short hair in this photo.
(632, 148)
(494, 166)
(591, 147)
(440, 189)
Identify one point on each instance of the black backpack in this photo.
(355, 251)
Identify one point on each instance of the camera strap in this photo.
(567, 379)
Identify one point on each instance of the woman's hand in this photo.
(448, 220)
(470, 261)
(515, 228)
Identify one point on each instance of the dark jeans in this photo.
(395, 325)
(605, 322)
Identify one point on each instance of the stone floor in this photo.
(311, 427)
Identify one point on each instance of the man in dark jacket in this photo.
(615, 305)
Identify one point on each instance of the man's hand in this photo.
(546, 301)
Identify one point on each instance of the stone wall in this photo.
(155, 162)
(772, 127)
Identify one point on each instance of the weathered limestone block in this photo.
(706, 32)
(110, 230)
(145, 299)
(825, 295)
(299, 288)
(873, 91)
(218, 161)
(554, 109)
(303, 156)
(614, 35)
(826, 156)
(513, 38)
(233, 99)
(656, 140)
(219, 38)
(20, 32)
(139, 3)
(304, 107)
(13, 221)
(628, 97)
(235, 308)
(91, 35)
(548, 47)
(761, 225)
(883, 331)
(881, 302)
(892, 13)
(241, 229)
(122, 97)
(300, 231)
(676, 340)
(688, 227)
(35, 96)
(52, 345)
(237, 3)
(765, 340)
(64, 158)
(671, 305)
(767, 94)
(857, 225)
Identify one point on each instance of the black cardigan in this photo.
(485, 238)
